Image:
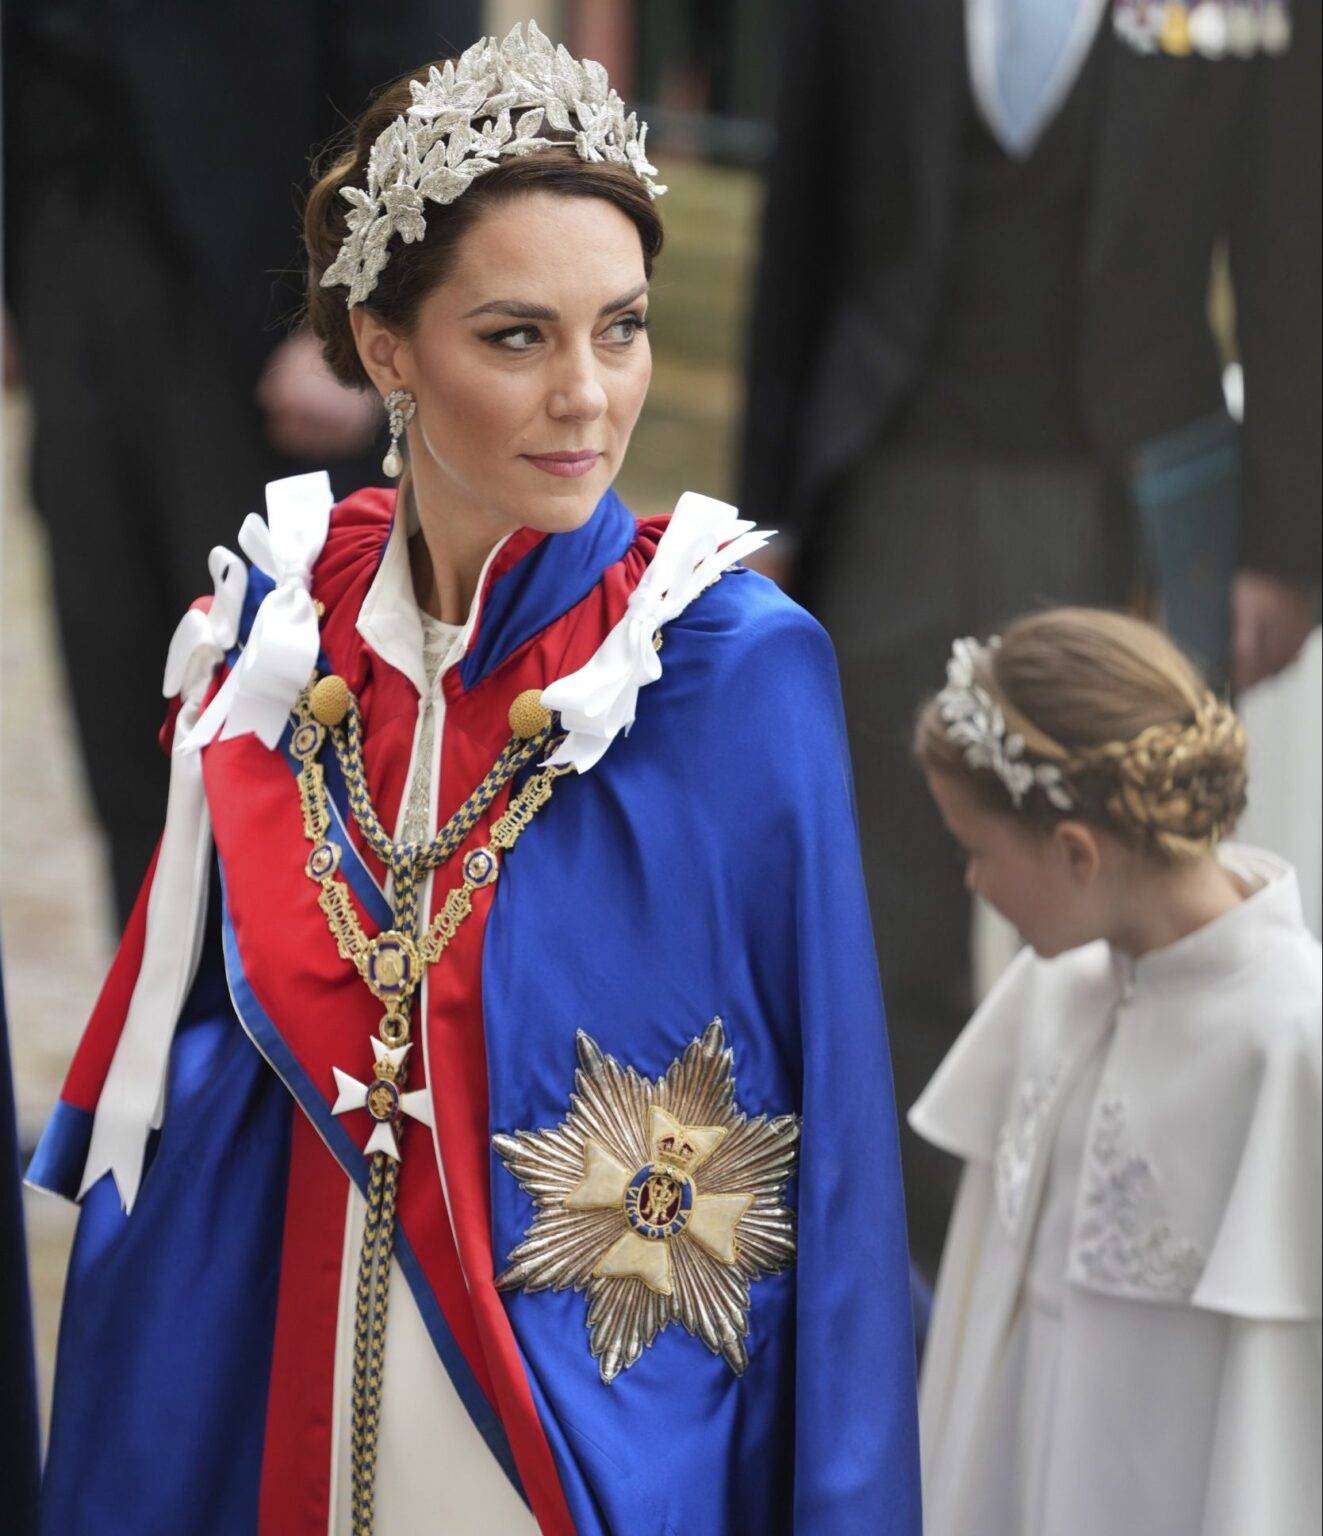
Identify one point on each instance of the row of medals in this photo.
(1213, 29)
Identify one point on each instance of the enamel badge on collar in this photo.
(382, 1098)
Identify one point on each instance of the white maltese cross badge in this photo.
(383, 1098)
(662, 1200)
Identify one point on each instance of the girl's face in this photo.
(530, 364)
(1045, 883)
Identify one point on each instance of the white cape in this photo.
(1185, 1365)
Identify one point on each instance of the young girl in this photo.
(1126, 1330)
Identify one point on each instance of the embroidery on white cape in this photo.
(1017, 1144)
(1123, 1243)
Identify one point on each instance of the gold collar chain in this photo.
(392, 962)
(392, 965)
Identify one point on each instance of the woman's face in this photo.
(530, 364)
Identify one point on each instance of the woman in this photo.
(584, 1273)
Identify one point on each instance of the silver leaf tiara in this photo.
(975, 722)
(459, 127)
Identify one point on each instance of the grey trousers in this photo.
(920, 550)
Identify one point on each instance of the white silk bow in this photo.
(132, 1099)
(282, 646)
(202, 637)
(596, 703)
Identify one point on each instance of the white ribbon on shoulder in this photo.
(703, 539)
(282, 648)
(132, 1099)
(257, 696)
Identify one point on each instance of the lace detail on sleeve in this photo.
(1123, 1243)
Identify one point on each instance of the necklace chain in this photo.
(392, 965)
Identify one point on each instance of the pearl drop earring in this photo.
(400, 406)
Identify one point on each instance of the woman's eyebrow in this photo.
(623, 300)
(521, 309)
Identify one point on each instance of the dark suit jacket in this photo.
(1190, 154)
(212, 110)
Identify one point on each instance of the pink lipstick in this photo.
(568, 465)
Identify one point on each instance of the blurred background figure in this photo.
(983, 376)
(151, 159)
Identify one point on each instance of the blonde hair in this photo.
(1145, 750)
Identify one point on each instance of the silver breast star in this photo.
(661, 1200)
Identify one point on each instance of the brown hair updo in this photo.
(1144, 749)
(415, 270)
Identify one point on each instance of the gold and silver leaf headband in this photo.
(460, 127)
(974, 721)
